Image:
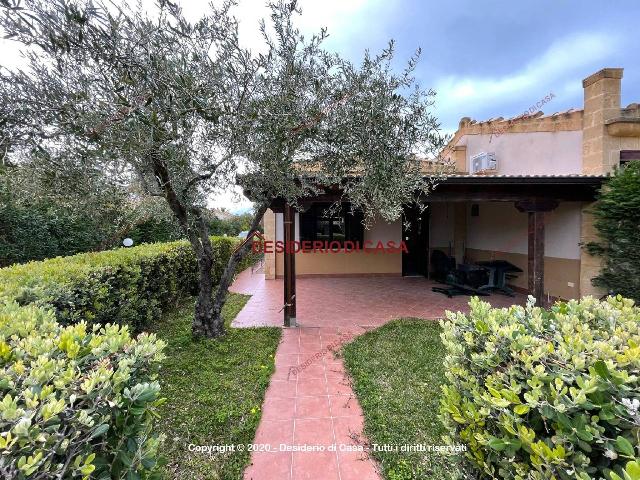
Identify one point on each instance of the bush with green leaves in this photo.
(43, 230)
(617, 216)
(545, 394)
(42, 218)
(127, 286)
(155, 229)
(75, 401)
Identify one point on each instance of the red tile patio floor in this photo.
(310, 400)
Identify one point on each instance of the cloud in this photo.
(232, 199)
(335, 15)
(487, 76)
(552, 71)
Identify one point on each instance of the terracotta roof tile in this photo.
(569, 175)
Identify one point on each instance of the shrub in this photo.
(41, 230)
(124, 286)
(617, 216)
(539, 394)
(230, 225)
(155, 229)
(75, 401)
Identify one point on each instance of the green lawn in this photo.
(214, 389)
(397, 372)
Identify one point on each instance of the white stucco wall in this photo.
(498, 227)
(534, 153)
(280, 227)
(501, 227)
(382, 231)
(562, 233)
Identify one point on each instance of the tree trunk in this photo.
(204, 321)
(230, 269)
(203, 325)
(195, 226)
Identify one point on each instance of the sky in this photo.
(484, 59)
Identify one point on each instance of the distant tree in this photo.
(617, 218)
(154, 229)
(231, 225)
(242, 222)
(44, 214)
(220, 226)
(41, 217)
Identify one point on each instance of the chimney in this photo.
(601, 103)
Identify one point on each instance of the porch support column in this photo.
(289, 267)
(460, 231)
(535, 260)
(535, 209)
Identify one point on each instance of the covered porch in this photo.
(354, 304)
(532, 222)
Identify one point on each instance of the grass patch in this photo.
(214, 389)
(397, 373)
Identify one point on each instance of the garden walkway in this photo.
(310, 400)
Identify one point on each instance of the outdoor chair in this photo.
(463, 280)
(441, 265)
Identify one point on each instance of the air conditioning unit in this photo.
(483, 161)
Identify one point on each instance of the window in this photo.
(627, 156)
(317, 224)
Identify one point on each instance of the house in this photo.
(521, 192)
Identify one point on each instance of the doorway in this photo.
(415, 234)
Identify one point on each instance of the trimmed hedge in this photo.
(127, 286)
(546, 394)
(75, 401)
(78, 401)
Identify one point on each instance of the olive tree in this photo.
(184, 110)
(317, 121)
(153, 98)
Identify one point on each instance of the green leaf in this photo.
(132, 446)
(497, 444)
(133, 475)
(482, 326)
(126, 459)
(607, 413)
(585, 435)
(500, 402)
(633, 470)
(99, 431)
(624, 446)
(601, 369)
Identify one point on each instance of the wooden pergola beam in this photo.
(535, 209)
(490, 189)
(535, 255)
